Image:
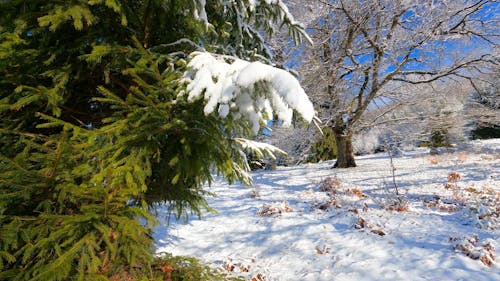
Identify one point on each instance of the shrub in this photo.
(486, 132)
(324, 148)
(182, 268)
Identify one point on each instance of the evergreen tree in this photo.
(94, 125)
(324, 148)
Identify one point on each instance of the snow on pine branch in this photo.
(250, 90)
(260, 148)
(201, 14)
(251, 11)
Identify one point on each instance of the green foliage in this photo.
(438, 138)
(486, 132)
(175, 134)
(325, 148)
(94, 130)
(241, 40)
(180, 268)
(64, 209)
(255, 162)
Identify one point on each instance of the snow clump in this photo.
(250, 90)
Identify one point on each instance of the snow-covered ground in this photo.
(311, 222)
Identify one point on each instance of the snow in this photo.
(251, 89)
(199, 12)
(311, 222)
(260, 148)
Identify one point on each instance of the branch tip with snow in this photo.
(252, 90)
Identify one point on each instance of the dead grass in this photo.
(329, 184)
(453, 177)
(470, 246)
(274, 209)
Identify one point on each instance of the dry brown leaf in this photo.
(354, 210)
(245, 268)
(486, 261)
(358, 192)
(360, 223)
(454, 177)
(329, 184)
(365, 207)
(113, 235)
(229, 267)
(448, 207)
(320, 251)
(259, 277)
(378, 232)
(472, 190)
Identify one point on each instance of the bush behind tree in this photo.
(325, 148)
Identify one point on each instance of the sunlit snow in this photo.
(286, 228)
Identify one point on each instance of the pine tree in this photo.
(94, 126)
(324, 147)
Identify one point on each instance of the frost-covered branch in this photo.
(365, 49)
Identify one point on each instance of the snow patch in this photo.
(311, 222)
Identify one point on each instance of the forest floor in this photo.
(311, 222)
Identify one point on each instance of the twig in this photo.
(393, 168)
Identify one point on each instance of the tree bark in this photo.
(345, 150)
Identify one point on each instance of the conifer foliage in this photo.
(94, 125)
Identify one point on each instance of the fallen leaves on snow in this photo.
(274, 209)
(470, 246)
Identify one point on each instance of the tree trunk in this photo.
(345, 150)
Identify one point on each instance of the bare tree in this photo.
(437, 110)
(365, 51)
(484, 106)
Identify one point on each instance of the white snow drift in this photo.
(286, 228)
